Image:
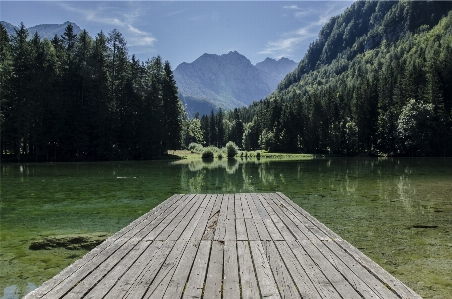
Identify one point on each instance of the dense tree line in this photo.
(394, 98)
(77, 97)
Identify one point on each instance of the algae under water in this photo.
(396, 211)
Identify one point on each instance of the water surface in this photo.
(397, 211)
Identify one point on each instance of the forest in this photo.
(81, 98)
(376, 82)
(383, 89)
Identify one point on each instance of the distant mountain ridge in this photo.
(228, 81)
(44, 30)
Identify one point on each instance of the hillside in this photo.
(227, 81)
(376, 82)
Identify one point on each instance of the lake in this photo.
(396, 211)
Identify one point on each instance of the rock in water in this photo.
(71, 242)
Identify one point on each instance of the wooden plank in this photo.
(114, 240)
(167, 226)
(125, 265)
(286, 285)
(155, 286)
(220, 231)
(230, 220)
(396, 285)
(192, 231)
(247, 276)
(321, 283)
(340, 284)
(289, 215)
(195, 283)
(251, 229)
(305, 287)
(214, 277)
(264, 274)
(271, 228)
(179, 279)
(241, 229)
(245, 207)
(260, 226)
(309, 228)
(109, 270)
(110, 254)
(213, 218)
(279, 224)
(294, 230)
(231, 271)
(145, 270)
(182, 226)
(361, 272)
(317, 223)
(238, 206)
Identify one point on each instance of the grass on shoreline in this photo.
(189, 155)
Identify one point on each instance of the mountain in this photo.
(44, 30)
(275, 70)
(364, 26)
(227, 81)
(377, 81)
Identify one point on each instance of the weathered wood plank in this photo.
(348, 264)
(396, 285)
(321, 283)
(202, 223)
(241, 229)
(286, 285)
(251, 229)
(192, 227)
(155, 287)
(114, 277)
(179, 228)
(260, 226)
(139, 278)
(115, 240)
(271, 228)
(305, 287)
(111, 268)
(282, 228)
(214, 279)
(238, 206)
(310, 229)
(231, 271)
(180, 276)
(264, 274)
(292, 227)
(340, 284)
(247, 276)
(195, 283)
(220, 231)
(167, 226)
(230, 220)
(245, 206)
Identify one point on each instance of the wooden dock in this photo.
(225, 246)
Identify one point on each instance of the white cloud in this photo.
(292, 41)
(291, 7)
(123, 19)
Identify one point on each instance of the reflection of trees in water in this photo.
(227, 175)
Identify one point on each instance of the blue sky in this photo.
(181, 31)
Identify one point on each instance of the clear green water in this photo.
(372, 203)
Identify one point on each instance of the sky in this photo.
(181, 31)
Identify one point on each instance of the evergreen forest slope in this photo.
(77, 97)
(378, 80)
